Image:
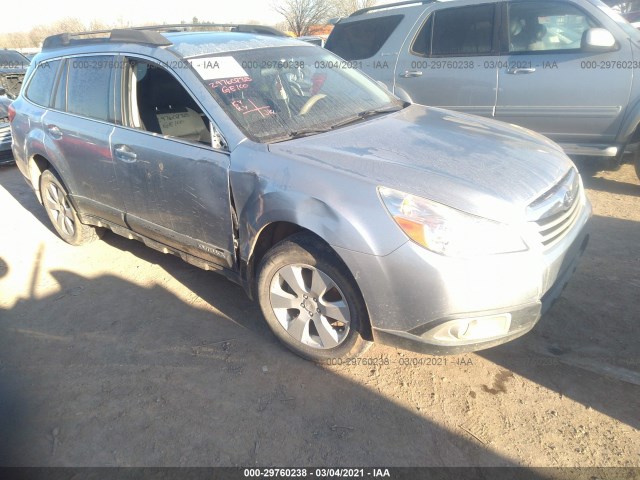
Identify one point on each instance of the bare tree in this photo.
(301, 15)
(344, 8)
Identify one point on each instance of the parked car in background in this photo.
(13, 66)
(6, 156)
(349, 214)
(564, 68)
(312, 39)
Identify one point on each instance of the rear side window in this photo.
(363, 38)
(462, 31)
(41, 85)
(88, 86)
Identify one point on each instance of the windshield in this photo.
(12, 59)
(274, 94)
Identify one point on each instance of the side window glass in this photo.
(89, 79)
(463, 31)
(362, 39)
(546, 26)
(41, 85)
(422, 44)
(158, 103)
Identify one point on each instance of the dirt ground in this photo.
(114, 354)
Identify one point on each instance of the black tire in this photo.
(318, 265)
(636, 162)
(62, 214)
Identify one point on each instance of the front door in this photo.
(175, 185)
(550, 85)
(450, 60)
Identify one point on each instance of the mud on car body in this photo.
(348, 214)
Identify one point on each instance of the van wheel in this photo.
(310, 300)
(62, 214)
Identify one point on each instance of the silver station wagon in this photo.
(347, 213)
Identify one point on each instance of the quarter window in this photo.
(41, 85)
(546, 26)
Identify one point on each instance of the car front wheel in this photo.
(310, 300)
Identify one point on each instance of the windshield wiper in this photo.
(305, 132)
(366, 114)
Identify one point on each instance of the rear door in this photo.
(450, 59)
(174, 182)
(549, 84)
(77, 129)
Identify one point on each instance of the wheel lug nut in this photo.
(305, 296)
(315, 299)
(318, 310)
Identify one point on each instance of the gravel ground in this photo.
(115, 355)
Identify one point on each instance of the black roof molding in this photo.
(391, 5)
(148, 35)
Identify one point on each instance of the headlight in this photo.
(447, 231)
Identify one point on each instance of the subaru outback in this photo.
(347, 213)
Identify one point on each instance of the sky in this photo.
(138, 11)
(145, 11)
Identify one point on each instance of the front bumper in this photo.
(412, 293)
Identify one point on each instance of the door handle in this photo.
(520, 71)
(411, 74)
(54, 132)
(125, 154)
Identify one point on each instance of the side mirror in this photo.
(598, 40)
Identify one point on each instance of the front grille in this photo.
(558, 209)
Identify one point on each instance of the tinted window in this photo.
(88, 86)
(41, 84)
(546, 26)
(422, 43)
(361, 39)
(463, 31)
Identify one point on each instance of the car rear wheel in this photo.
(310, 300)
(62, 214)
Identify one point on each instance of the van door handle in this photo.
(125, 154)
(520, 71)
(411, 74)
(54, 132)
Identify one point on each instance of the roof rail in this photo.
(148, 35)
(391, 5)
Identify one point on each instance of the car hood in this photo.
(480, 166)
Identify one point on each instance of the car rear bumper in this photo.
(6, 155)
(414, 295)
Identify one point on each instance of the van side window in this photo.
(362, 39)
(546, 26)
(157, 102)
(462, 31)
(41, 85)
(88, 92)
